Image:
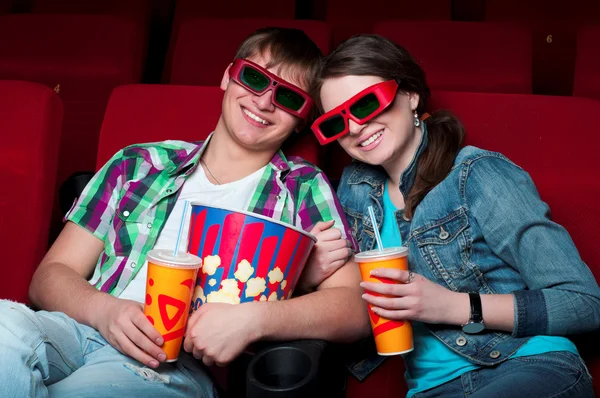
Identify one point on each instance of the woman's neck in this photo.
(401, 159)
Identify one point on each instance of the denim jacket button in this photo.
(461, 341)
(495, 354)
(443, 234)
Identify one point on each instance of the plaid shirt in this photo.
(128, 201)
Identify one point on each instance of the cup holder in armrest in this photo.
(288, 370)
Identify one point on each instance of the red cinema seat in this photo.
(83, 61)
(576, 11)
(136, 9)
(192, 9)
(5, 6)
(150, 113)
(30, 125)
(554, 26)
(466, 56)
(350, 17)
(220, 39)
(542, 134)
(587, 64)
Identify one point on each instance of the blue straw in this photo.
(185, 206)
(375, 228)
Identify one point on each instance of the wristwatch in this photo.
(475, 324)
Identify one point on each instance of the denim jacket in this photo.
(482, 229)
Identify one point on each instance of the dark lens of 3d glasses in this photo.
(254, 79)
(365, 106)
(289, 99)
(332, 126)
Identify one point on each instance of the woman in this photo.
(487, 291)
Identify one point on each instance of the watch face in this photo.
(473, 327)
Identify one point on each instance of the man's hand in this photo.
(123, 324)
(217, 333)
(329, 253)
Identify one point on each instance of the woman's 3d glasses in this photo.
(361, 108)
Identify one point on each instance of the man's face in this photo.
(252, 120)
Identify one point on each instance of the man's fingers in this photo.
(143, 324)
(142, 341)
(135, 352)
(322, 226)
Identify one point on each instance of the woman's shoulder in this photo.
(470, 156)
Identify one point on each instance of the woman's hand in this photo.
(329, 253)
(414, 298)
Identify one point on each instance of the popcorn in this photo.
(211, 263)
(222, 297)
(212, 281)
(255, 286)
(284, 284)
(230, 286)
(263, 298)
(275, 275)
(273, 296)
(244, 271)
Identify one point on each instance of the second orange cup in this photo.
(391, 337)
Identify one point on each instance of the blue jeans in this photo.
(49, 354)
(554, 374)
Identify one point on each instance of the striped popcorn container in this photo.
(245, 256)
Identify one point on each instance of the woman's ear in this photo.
(226, 78)
(413, 98)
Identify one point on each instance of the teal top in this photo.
(432, 363)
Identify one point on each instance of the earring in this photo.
(417, 121)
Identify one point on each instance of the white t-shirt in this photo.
(197, 187)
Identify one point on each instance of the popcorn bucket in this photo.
(245, 256)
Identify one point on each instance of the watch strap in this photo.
(476, 309)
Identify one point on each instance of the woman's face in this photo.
(384, 139)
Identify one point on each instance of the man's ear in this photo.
(413, 98)
(226, 78)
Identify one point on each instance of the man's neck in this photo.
(228, 161)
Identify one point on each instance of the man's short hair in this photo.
(290, 49)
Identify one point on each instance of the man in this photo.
(98, 342)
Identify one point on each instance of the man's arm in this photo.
(218, 333)
(60, 284)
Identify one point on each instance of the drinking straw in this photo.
(185, 206)
(375, 228)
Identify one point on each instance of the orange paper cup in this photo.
(169, 288)
(391, 337)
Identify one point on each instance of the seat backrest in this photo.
(83, 61)
(466, 56)
(350, 17)
(30, 124)
(577, 11)
(5, 6)
(220, 39)
(552, 138)
(587, 64)
(554, 25)
(128, 8)
(149, 113)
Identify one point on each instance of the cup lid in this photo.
(376, 255)
(166, 258)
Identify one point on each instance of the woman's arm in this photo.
(562, 296)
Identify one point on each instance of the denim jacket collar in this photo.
(376, 175)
